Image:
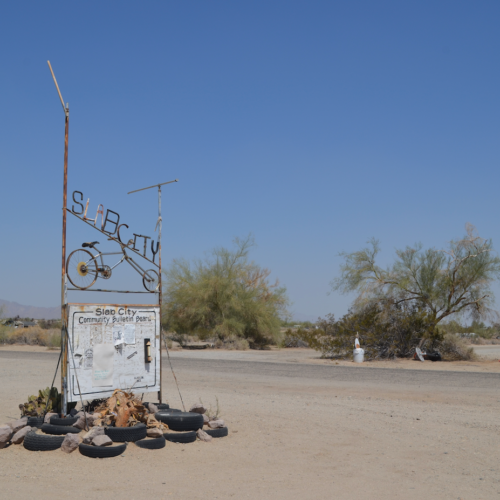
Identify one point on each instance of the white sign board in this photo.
(108, 343)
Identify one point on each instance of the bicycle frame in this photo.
(125, 258)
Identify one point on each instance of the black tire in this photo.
(126, 434)
(181, 421)
(57, 430)
(102, 451)
(151, 444)
(63, 422)
(170, 411)
(217, 433)
(180, 437)
(35, 421)
(163, 406)
(39, 442)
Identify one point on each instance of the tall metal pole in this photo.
(64, 312)
(159, 289)
(64, 325)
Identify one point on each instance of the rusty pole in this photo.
(64, 345)
(64, 319)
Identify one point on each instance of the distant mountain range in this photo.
(13, 309)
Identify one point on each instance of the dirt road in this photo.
(299, 428)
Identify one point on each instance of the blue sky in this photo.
(312, 125)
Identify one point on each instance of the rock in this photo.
(198, 408)
(19, 424)
(102, 440)
(203, 436)
(47, 418)
(80, 423)
(216, 424)
(95, 431)
(5, 435)
(70, 443)
(18, 437)
(154, 432)
(152, 408)
(205, 420)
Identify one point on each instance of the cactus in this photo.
(46, 401)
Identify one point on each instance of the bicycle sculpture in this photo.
(83, 268)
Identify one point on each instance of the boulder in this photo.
(198, 408)
(154, 432)
(95, 431)
(205, 420)
(47, 418)
(19, 424)
(102, 440)
(216, 424)
(203, 436)
(18, 437)
(152, 408)
(5, 435)
(70, 443)
(80, 423)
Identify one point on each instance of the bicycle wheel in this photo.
(150, 280)
(82, 269)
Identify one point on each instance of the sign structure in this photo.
(112, 347)
(107, 347)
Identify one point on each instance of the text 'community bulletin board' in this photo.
(109, 344)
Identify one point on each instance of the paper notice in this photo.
(130, 334)
(117, 334)
(102, 369)
(88, 359)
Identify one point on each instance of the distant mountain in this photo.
(13, 309)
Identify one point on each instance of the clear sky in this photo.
(313, 125)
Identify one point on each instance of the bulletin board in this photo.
(109, 347)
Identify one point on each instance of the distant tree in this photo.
(224, 295)
(439, 282)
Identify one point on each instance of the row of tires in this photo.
(176, 420)
(43, 442)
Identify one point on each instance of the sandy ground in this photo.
(300, 427)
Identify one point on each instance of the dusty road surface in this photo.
(299, 428)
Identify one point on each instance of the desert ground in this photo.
(299, 427)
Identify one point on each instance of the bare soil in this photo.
(300, 427)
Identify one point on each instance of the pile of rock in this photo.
(14, 432)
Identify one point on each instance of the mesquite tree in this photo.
(440, 282)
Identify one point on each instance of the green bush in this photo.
(223, 297)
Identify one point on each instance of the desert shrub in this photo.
(454, 348)
(294, 338)
(232, 343)
(224, 296)
(384, 332)
(34, 335)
